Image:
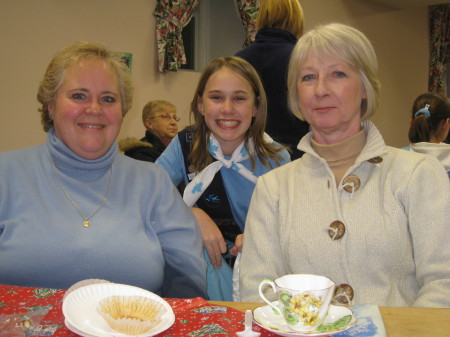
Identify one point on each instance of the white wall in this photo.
(32, 30)
(224, 22)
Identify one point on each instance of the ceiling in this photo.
(409, 3)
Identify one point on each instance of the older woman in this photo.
(161, 122)
(371, 217)
(73, 208)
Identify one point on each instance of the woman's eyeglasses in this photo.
(167, 117)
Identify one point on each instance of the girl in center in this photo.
(220, 157)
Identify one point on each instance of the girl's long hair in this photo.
(199, 155)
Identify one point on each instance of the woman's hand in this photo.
(239, 243)
(213, 239)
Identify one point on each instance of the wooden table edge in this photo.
(398, 321)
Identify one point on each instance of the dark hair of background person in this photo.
(423, 129)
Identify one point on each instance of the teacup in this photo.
(303, 300)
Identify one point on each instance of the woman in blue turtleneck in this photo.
(74, 209)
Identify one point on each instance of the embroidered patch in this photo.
(212, 200)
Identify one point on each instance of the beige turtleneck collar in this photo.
(342, 155)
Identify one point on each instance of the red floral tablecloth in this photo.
(193, 317)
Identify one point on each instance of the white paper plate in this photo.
(80, 309)
(83, 283)
(269, 320)
(75, 330)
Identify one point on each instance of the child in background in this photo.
(430, 123)
(220, 158)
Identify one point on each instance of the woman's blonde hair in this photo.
(343, 42)
(72, 54)
(281, 14)
(199, 156)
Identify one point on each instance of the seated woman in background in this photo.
(371, 217)
(74, 209)
(161, 122)
(220, 158)
(430, 123)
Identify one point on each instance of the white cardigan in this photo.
(395, 250)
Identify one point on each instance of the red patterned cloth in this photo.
(193, 317)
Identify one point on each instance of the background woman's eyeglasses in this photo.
(167, 117)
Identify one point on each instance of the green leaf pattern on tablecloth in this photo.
(39, 307)
(44, 292)
(209, 329)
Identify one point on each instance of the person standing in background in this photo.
(161, 121)
(279, 24)
(430, 123)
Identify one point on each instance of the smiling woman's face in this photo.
(331, 93)
(87, 110)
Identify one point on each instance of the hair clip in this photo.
(424, 111)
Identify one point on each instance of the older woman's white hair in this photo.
(344, 42)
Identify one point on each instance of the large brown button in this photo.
(351, 183)
(375, 160)
(336, 230)
(343, 294)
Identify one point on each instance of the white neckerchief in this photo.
(202, 180)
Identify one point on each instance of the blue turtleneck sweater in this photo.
(144, 235)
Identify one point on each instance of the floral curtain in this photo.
(439, 16)
(248, 10)
(171, 17)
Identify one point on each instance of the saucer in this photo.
(266, 318)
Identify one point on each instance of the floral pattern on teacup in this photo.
(301, 308)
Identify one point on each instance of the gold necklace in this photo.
(86, 222)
